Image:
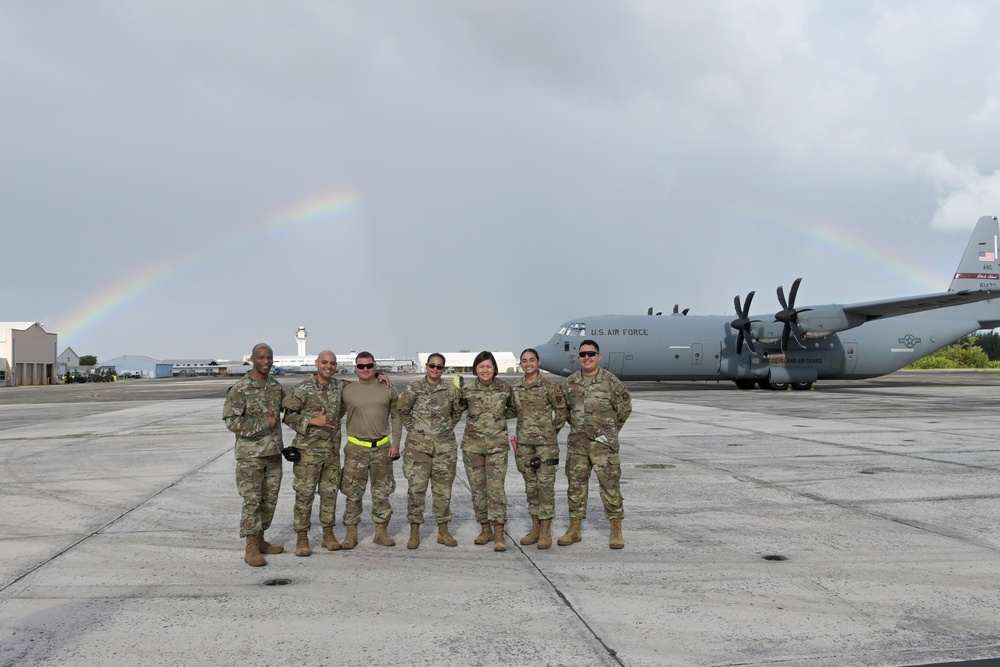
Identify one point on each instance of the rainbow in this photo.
(115, 298)
(112, 300)
(837, 237)
(311, 211)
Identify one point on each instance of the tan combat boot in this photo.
(414, 536)
(382, 536)
(351, 539)
(253, 557)
(572, 533)
(532, 536)
(265, 547)
(498, 541)
(444, 537)
(544, 533)
(486, 535)
(302, 543)
(330, 542)
(617, 539)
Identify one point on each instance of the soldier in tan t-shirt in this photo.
(374, 430)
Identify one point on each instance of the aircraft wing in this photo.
(873, 310)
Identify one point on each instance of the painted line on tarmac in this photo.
(556, 590)
(113, 521)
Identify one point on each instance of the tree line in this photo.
(980, 350)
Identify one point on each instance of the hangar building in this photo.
(27, 354)
(137, 364)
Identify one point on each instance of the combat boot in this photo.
(351, 539)
(382, 536)
(414, 536)
(265, 547)
(330, 542)
(572, 533)
(498, 541)
(544, 533)
(302, 543)
(444, 537)
(617, 539)
(253, 557)
(532, 536)
(486, 535)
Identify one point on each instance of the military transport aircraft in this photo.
(797, 345)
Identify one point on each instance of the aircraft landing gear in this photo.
(774, 386)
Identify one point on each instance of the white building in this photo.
(69, 360)
(345, 363)
(461, 362)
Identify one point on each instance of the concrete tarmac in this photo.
(855, 524)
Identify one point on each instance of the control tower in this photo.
(300, 338)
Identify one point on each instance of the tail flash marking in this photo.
(979, 268)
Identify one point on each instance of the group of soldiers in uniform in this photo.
(592, 400)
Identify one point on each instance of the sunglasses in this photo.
(435, 367)
(588, 353)
(364, 366)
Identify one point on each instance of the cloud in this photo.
(963, 193)
(515, 164)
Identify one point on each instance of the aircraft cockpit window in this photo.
(577, 329)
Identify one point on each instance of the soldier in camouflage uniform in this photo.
(312, 410)
(598, 406)
(540, 409)
(251, 411)
(430, 410)
(371, 412)
(485, 446)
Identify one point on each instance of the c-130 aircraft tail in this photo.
(798, 345)
(980, 265)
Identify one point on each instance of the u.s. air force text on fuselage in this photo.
(619, 332)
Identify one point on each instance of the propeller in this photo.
(650, 311)
(742, 323)
(788, 314)
(678, 311)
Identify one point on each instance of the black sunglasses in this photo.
(364, 366)
(588, 353)
(436, 367)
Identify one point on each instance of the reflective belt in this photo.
(367, 443)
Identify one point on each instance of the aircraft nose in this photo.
(548, 358)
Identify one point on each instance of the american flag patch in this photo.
(985, 256)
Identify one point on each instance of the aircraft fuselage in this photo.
(637, 347)
(799, 344)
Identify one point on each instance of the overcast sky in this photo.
(188, 178)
